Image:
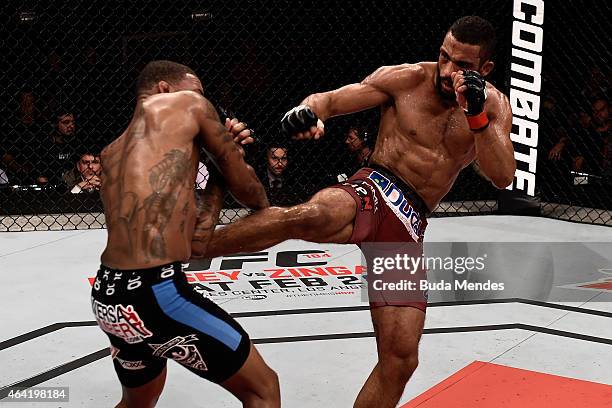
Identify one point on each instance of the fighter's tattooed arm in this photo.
(239, 177)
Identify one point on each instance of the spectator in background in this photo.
(57, 154)
(65, 126)
(589, 140)
(86, 175)
(556, 126)
(279, 187)
(28, 111)
(591, 146)
(579, 125)
(357, 141)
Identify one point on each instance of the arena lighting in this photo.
(27, 16)
(201, 16)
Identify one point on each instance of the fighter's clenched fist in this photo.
(471, 91)
(302, 123)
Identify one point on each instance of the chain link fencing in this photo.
(575, 152)
(69, 90)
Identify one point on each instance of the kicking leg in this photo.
(327, 217)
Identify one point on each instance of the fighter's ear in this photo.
(486, 68)
(163, 86)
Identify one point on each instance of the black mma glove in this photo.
(298, 120)
(475, 96)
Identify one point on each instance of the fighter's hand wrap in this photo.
(475, 96)
(298, 120)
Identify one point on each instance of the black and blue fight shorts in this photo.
(152, 315)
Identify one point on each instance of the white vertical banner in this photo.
(525, 88)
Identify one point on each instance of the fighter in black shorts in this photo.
(152, 315)
(140, 296)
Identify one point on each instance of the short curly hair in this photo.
(475, 30)
(161, 70)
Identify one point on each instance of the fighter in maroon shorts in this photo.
(436, 118)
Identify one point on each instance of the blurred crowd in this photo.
(579, 139)
(47, 145)
(52, 138)
(47, 152)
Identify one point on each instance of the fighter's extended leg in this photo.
(398, 331)
(327, 217)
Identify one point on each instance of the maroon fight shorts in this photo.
(389, 211)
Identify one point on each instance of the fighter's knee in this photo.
(400, 370)
(270, 389)
(400, 358)
(271, 385)
(267, 393)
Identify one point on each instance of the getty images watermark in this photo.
(412, 265)
(401, 273)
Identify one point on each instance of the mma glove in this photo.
(298, 120)
(475, 96)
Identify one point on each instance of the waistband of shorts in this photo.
(417, 202)
(150, 276)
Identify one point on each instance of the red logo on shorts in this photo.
(121, 321)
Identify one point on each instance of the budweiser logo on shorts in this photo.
(398, 203)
